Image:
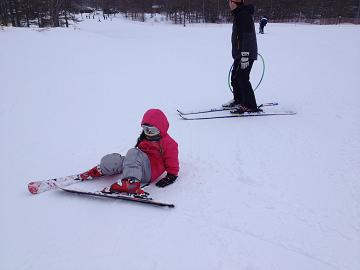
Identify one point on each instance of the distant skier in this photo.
(155, 153)
(244, 52)
(263, 22)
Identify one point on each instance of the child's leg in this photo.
(112, 164)
(137, 165)
(109, 165)
(136, 171)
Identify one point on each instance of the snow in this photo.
(259, 193)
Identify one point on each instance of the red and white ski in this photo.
(37, 187)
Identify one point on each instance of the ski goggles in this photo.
(150, 130)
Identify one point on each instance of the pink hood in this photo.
(163, 154)
(156, 118)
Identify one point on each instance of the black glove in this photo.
(167, 180)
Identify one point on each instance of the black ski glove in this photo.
(167, 180)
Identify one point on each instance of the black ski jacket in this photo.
(243, 36)
(263, 22)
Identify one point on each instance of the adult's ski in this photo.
(223, 109)
(125, 197)
(237, 115)
(37, 187)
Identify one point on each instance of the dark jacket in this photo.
(243, 37)
(263, 21)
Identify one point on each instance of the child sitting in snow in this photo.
(155, 153)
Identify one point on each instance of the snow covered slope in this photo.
(280, 192)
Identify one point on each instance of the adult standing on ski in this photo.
(244, 53)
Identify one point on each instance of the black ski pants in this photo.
(242, 89)
(261, 29)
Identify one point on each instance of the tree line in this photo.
(56, 13)
(40, 12)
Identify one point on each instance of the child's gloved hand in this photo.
(244, 61)
(167, 180)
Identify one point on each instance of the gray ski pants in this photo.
(135, 164)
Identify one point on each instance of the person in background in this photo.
(263, 22)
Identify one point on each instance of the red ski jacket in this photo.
(163, 154)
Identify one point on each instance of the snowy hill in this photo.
(260, 193)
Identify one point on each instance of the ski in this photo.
(223, 109)
(238, 115)
(37, 187)
(125, 197)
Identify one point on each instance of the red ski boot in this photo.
(92, 173)
(127, 185)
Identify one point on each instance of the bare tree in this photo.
(58, 12)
